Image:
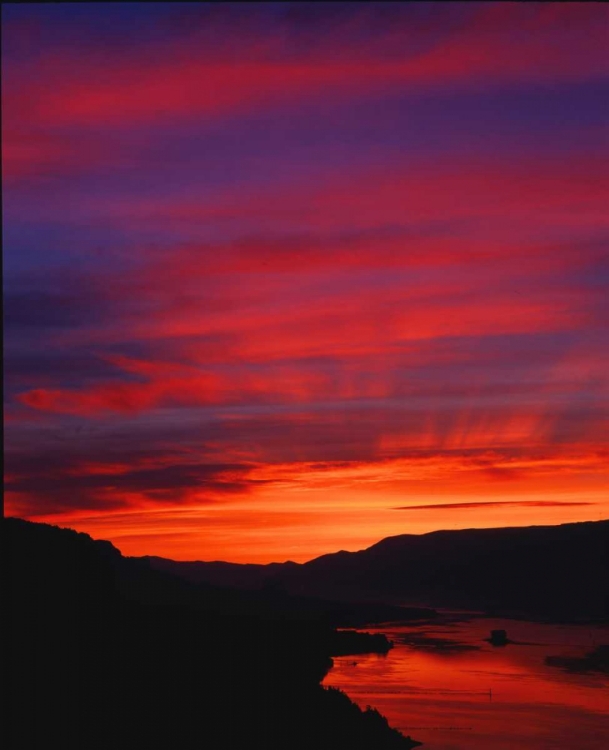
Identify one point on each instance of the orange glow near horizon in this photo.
(353, 506)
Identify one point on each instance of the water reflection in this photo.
(448, 687)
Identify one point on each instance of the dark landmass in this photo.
(420, 640)
(105, 651)
(270, 586)
(594, 661)
(353, 642)
(102, 651)
(554, 573)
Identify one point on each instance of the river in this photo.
(449, 688)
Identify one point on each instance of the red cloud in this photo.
(528, 194)
(498, 45)
(188, 388)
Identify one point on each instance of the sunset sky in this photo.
(285, 279)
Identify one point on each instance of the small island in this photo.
(498, 638)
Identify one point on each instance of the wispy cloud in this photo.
(486, 504)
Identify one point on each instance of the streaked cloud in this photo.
(271, 273)
(482, 504)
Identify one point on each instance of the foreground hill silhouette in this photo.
(551, 572)
(101, 651)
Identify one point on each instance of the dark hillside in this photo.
(555, 572)
(103, 652)
(549, 572)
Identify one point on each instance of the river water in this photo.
(447, 687)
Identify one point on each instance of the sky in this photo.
(282, 279)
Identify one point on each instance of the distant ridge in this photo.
(551, 572)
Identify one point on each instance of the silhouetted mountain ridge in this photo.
(551, 572)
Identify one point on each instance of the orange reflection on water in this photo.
(459, 697)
